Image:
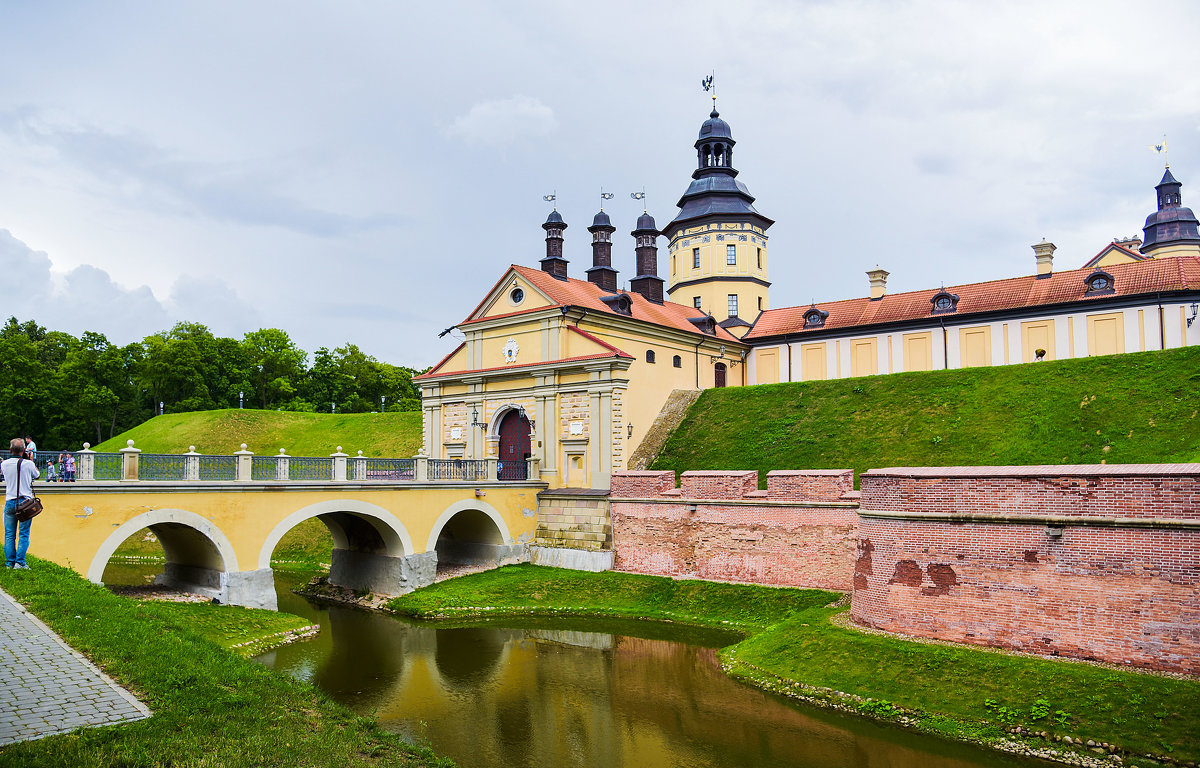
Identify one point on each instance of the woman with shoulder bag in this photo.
(19, 473)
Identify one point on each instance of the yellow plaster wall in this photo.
(500, 302)
(711, 240)
(78, 519)
(527, 334)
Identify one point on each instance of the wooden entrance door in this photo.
(514, 447)
(719, 375)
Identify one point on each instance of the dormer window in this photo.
(619, 303)
(1099, 282)
(943, 303)
(815, 318)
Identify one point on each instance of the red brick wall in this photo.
(978, 565)
(765, 540)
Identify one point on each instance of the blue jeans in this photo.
(14, 544)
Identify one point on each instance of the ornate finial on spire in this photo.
(641, 196)
(604, 196)
(709, 86)
(551, 198)
(1162, 149)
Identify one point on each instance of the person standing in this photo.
(19, 474)
(30, 448)
(68, 467)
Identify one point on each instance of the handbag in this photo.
(27, 509)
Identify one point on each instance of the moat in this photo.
(552, 693)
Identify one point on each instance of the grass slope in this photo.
(396, 435)
(1131, 408)
(792, 648)
(211, 707)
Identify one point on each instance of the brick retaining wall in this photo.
(718, 525)
(1094, 562)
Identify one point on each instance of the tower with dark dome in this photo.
(554, 263)
(1172, 230)
(718, 241)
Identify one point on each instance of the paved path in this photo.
(46, 687)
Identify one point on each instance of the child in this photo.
(51, 473)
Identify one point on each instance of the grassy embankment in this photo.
(792, 648)
(308, 545)
(1131, 408)
(211, 707)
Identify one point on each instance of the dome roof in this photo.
(601, 220)
(715, 128)
(554, 218)
(646, 221)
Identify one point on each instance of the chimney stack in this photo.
(878, 278)
(647, 282)
(1044, 253)
(602, 273)
(554, 263)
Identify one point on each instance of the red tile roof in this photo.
(581, 293)
(1181, 273)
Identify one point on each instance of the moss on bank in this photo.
(793, 648)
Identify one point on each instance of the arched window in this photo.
(649, 355)
(677, 361)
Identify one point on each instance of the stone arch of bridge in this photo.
(354, 525)
(481, 509)
(188, 540)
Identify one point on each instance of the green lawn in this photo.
(394, 435)
(1131, 408)
(792, 648)
(211, 707)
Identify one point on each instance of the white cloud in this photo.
(504, 121)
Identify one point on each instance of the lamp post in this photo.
(383, 403)
(240, 396)
(161, 408)
(333, 407)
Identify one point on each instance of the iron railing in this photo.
(105, 466)
(457, 469)
(264, 467)
(310, 468)
(161, 466)
(388, 469)
(217, 467)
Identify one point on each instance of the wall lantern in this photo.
(1195, 307)
(629, 430)
(475, 422)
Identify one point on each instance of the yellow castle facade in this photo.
(560, 378)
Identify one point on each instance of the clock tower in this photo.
(718, 241)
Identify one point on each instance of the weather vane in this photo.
(709, 86)
(550, 198)
(640, 196)
(1162, 149)
(604, 196)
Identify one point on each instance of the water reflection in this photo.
(545, 695)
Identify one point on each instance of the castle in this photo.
(562, 377)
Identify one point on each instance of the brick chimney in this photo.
(647, 282)
(1044, 253)
(554, 263)
(602, 272)
(878, 278)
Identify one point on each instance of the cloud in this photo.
(86, 298)
(504, 121)
(139, 172)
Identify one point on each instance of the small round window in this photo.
(943, 302)
(1098, 283)
(516, 295)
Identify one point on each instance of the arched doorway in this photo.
(719, 375)
(514, 447)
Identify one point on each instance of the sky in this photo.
(365, 171)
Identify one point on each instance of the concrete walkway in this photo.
(46, 687)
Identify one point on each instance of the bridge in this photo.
(219, 518)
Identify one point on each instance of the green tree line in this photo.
(64, 390)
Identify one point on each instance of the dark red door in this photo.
(514, 447)
(719, 375)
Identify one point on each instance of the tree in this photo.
(276, 365)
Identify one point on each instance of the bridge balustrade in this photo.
(130, 464)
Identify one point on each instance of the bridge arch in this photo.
(472, 532)
(189, 541)
(352, 523)
(468, 505)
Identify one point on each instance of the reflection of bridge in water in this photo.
(219, 522)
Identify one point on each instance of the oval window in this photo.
(516, 295)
